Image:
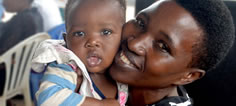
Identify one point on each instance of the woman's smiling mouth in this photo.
(124, 59)
(128, 62)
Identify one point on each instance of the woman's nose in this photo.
(138, 44)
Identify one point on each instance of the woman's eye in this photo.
(79, 34)
(163, 47)
(140, 23)
(106, 32)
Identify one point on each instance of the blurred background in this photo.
(217, 88)
(133, 6)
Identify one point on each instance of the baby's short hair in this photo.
(71, 2)
(216, 22)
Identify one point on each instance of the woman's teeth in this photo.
(125, 59)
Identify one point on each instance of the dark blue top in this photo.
(182, 100)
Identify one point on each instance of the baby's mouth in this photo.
(93, 60)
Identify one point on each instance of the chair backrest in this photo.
(17, 62)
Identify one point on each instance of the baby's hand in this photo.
(79, 79)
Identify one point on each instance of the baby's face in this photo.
(94, 32)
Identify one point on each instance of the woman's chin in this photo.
(119, 75)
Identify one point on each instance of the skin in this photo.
(93, 34)
(155, 52)
(16, 5)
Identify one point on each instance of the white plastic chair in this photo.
(17, 62)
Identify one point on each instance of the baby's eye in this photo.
(163, 47)
(79, 34)
(106, 32)
(140, 23)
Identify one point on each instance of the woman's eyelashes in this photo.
(140, 23)
(162, 46)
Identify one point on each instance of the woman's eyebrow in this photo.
(145, 15)
(168, 38)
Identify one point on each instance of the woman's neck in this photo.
(141, 97)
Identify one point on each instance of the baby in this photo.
(76, 67)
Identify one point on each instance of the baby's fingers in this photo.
(79, 79)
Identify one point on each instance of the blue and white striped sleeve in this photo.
(57, 87)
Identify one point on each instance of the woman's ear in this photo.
(190, 76)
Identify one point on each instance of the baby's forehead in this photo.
(75, 3)
(84, 8)
(91, 4)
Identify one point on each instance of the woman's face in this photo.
(156, 47)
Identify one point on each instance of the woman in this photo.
(169, 44)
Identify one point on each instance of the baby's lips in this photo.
(93, 61)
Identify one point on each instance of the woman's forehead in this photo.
(174, 21)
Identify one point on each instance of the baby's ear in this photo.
(64, 36)
(190, 76)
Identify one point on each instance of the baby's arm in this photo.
(95, 102)
(89, 101)
(57, 88)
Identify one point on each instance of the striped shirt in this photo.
(58, 86)
(59, 81)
